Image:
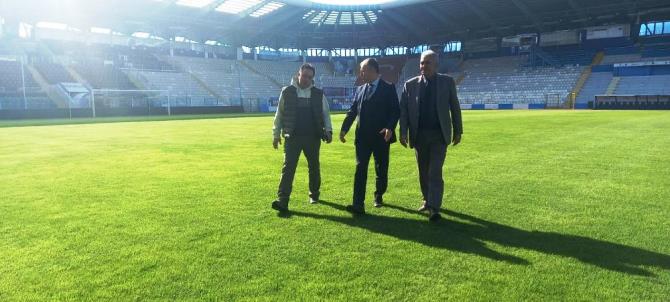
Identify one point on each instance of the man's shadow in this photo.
(419, 231)
(471, 237)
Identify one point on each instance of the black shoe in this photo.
(355, 210)
(280, 206)
(434, 215)
(379, 202)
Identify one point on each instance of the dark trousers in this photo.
(380, 151)
(431, 151)
(293, 146)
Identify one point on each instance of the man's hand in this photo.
(403, 141)
(329, 137)
(342, 135)
(276, 142)
(456, 140)
(387, 133)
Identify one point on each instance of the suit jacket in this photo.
(379, 111)
(448, 108)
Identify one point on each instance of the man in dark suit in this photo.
(376, 106)
(429, 109)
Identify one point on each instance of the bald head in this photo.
(428, 63)
(429, 53)
(369, 70)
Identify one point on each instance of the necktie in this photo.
(423, 89)
(368, 91)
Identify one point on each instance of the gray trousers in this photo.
(293, 146)
(431, 151)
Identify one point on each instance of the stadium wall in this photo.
(502, 106)
(114, 112)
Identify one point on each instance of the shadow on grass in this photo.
(471, 237)
(442, 234)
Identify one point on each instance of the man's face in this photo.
(305, 78)
(368, 75)
(428, 65)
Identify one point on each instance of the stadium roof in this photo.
(313, 24)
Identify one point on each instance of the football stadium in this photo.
(512, 150)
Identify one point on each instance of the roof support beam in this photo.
(277, 24)
(579, 11)
(484, 16)
(529, 14)
(414, 30)
(454, 30)
(442, 19)
(337, 22)
(372, 25)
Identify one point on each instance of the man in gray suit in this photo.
(429, 109)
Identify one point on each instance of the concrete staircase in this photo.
(260, 73)
(582, 80)
(50, 90)
(598, 58)
(135, 79)
(586, 74)
(611, 88)
(75, 75)
(204, 85)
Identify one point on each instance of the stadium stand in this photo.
(101, 75)
(571, 55)
(656, 51)
(644, 85)
(139, 58)
(324, 80)
(191, 79)
(502, 80)
(53, 73)
(11, 88)
(11, 77)
(226, 78)
(281, 73)
(595, 85)
(182, 89)
(177, 83)
(628, 82)
(410, 69)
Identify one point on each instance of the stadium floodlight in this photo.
(51, 25)
(141, 35)
(372, 16)
(267, 8)
(308, 14)
(332, 18)
(237, 6)
(359, 18)
(100, 30)
(195, 3)
(346, 18)
(352, 2)
(318, 17)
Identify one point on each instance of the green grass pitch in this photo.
(539, 205)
